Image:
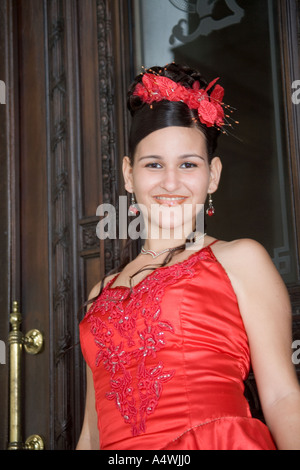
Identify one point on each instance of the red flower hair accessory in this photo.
(210, 107)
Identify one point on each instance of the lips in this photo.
(170, 200)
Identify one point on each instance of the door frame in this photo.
(114, 53)
(81, 258)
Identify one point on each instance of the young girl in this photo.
(169, 339)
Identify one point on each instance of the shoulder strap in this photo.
(212, 243)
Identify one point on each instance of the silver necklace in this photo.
(155, 254)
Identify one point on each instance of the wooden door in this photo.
(65, 65)
(62, 138)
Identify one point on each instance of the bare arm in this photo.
(89, 437)
(266, 312)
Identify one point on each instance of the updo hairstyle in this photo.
(146, 119)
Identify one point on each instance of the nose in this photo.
(171, 180)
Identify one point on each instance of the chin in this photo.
(171, 230)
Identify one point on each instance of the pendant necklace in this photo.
(155, 254)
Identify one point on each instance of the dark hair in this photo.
(146, 119)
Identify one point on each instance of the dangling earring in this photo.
(133, 210)
(210, 210)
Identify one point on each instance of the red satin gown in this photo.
(169, 360)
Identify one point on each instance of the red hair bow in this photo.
(156, 88)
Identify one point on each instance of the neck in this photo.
(164, 239)
(157, 246)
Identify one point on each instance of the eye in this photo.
(188, 165)
(153, 165)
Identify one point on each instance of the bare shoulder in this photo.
(241, 246)
(249, 267)
(242, 255)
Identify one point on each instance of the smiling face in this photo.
(170, 176)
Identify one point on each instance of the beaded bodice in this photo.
(162, 353)
(113, 319)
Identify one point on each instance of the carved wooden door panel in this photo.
(62, 133)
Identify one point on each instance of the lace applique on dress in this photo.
(118, 309)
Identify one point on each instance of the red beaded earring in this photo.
(210, 210)
(133, 210)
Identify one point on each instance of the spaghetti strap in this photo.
(212, 243)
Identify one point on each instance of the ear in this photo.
(215, 174)
(127, 174)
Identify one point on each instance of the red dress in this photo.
(169, 360)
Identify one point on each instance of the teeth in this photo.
(170, 198)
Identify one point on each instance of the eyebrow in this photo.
(181, 157)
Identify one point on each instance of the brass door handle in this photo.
(34, 442)
(33, 344)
